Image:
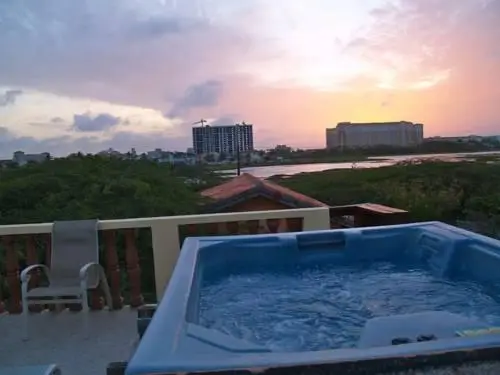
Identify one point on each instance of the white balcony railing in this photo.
(23, 244)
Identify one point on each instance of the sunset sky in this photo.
(92, 74)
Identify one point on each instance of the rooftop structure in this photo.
(344, 301)
(223, 139)
(20, 158)
(358, 135)
(58, 338)
(135, 278)
(249, 193)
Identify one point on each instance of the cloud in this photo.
(309, 64)
(121, 51)
(430, 34)
(206, 94)
(4, 132)
(89, 123)
(159, 26)
(64, 145)
(9, 97)
(447, 50)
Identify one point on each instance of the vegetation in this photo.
(90, 186)
(81, 187)
(449, 192)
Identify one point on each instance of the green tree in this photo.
(91, 186)
(443, 191)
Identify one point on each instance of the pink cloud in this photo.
(156, 58)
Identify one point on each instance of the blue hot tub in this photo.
(327, 297)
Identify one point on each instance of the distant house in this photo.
(174, 158)
(460, 139)
(110, 153)
(179, 158)
(255, 157)
(20, 158)
(250, 193)
(156, 155)
(5, 163)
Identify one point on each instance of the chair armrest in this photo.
(25, 274)
(116, 368)
(52, 369)
(86, 268)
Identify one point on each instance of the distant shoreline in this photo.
(269, 171)
(229, 166)
(342, 159)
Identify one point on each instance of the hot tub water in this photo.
(326, 307)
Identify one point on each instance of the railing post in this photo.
(294, 224)
(12, 273)
(232, 227)
(96, 299)
(2, 305)
(360, 218)
(273, 225)
(316, 219)
(113, 268)
(32, 258)
(253, 226)
(133, 268)
(166, 247)
(47, 239)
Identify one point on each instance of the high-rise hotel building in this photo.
(222, 139)
(354, 135)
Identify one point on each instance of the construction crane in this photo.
(202, 122)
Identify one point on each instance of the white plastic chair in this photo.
(74, 268)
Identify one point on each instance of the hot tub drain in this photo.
(429, 337)
(406, 340)
(400, 341)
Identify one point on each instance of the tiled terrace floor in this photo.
(58, 338)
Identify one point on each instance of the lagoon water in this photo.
(372, 162)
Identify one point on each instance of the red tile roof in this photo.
(246, 182)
